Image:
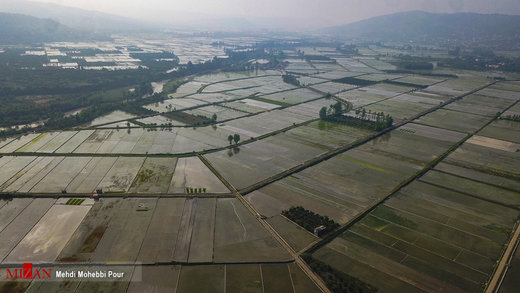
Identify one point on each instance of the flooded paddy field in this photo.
(289, 97)
(245, 278)
(480, 105)
(114, 116)
(250, 106)
(420, 80)
(503, 129)
(192, 173)
(457, 87)
(24, 222)
(45, 241)
(445, 230)
(485, 159)
(18, 142)
(371, 170)
(220, 112)
(152, 175)
(403, 106)
(259, 160)
(332, 87)
(151, 230)
(239, 237)
(454, 120)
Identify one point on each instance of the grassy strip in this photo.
(278, 103)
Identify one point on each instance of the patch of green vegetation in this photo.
(145, 175)
(515, 117)
(406, 130)
(309, 220)
(337, 281)
(386, 213)
(278, 103)
(75, 201)
(355, 81)
(172, 85)
(188, 119)
(374, 223)
(290, 79)
(414, 65)
(192, 190)
(498, 228)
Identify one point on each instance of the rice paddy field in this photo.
(447, 228)
(444, 230)
(134, 230)
(83, 175)
(427, 205)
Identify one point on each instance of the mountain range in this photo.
(18, 29)
(29, 22)
(417, 25)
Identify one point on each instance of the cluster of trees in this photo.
(235, 137)
(514, 117)
(414, 65)
(132, 104)
(335, 280)
(374, 121)
(479, 59)
(168, 125)
(350, 50)
(334, 111)
(160, 61)
(189, 119)
(309, 220)
(355, 81)
(290, 79)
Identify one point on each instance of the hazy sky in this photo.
(308, 12)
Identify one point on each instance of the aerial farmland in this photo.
(228, 176)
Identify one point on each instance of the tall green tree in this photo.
(323, 113)
(236, 138)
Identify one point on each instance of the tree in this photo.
(323, 113)
(236, 138)
(214, 117)
(230, 138)
(337, 108)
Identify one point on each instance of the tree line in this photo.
(370, 120)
